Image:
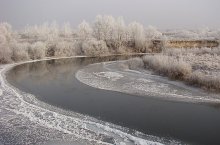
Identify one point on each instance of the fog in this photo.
(164, 14)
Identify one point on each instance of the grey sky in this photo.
(161, 13)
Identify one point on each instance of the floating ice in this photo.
(141, 83)
(114, 76)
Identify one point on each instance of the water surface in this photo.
(54, 82)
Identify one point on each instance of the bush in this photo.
(37, 51)
(95, 48)
(65, 49)
(20, 51)
(5, 38)
(206, 82)
(5, 54)
(175, 69)
(168, 66)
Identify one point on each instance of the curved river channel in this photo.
(81, 88)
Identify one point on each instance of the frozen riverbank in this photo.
(25, 119)
(112, 76)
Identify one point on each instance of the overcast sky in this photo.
(164, 14)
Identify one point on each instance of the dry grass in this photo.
(195, 51)
(205, 63)
(168, 66)
(175, 67)
(198, 79)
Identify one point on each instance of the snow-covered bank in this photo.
(112, 76)
(40, 122)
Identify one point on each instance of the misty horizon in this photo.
(170, 14)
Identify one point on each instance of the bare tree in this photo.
(137, 34)
(66, 30)
(84, 30)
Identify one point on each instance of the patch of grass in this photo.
(168, 66)
(198, 79)
(177, 69)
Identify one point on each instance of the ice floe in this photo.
(141, 83)
(114, 76)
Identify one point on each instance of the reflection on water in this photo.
(44, 71)
(54, 82)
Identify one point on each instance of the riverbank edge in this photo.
(4, 68)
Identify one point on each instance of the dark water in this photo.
(54, 82)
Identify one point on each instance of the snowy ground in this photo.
(26, 120)
(204, 60)
(112, 76)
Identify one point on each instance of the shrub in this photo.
(5, 54)
(5, 38)
(20, 51)
(37, 51)
(175, 69)
(168, 66)
(64, 48)
(51, 47)
(206, 82)
(95, 48)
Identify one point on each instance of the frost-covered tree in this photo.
(54, 31)
(66, 30)
(42, 32)
(5, 53)
(103, 27)
(137, 35)
(64, 48)
(84, 30)
(5, 32)
(113, 31)
(36, 32)
(5, 39)
(95, 47)
(119, 32)
(152, 33)
(37, 51)
(19, 51)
